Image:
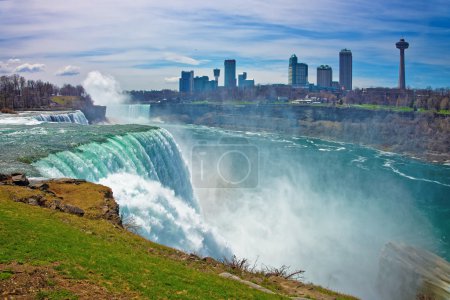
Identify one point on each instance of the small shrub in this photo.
(130, 224)
(8, 111)
(284, 272)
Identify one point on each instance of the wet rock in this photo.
(19, 179)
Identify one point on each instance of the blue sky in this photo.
(145, 44)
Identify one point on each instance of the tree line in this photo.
(18, 93)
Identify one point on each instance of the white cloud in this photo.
(30, 68)
(9, 66)
(68, 71)
(171, 79)
(181, 59)
(13, 61)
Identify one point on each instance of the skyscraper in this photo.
(345, 69)
(302, 74)
(298, 72)
(187, 82)
(324, 76)
(402, 45)
(230, 73)
(293, 61)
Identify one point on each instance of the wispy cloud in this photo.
(171, 79)
(29, 68)
(68, 71)
(157, 37)
(173, 57)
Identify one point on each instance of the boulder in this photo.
(74, 210)
(39, 186)
(19, 179)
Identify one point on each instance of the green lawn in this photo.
(93, 250)
(382, 107)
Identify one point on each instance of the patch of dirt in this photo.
(24, 281)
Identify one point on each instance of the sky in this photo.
(145, 44)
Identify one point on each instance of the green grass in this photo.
(382, 107)
(444, 112)
(56, 295)
(94, 250)
(5, 275)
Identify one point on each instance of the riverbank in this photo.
(63, 239)
(416, 134)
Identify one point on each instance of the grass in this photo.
(382, 107)
(65, 100)
(56, 295)
(5, 275)
(93, 250)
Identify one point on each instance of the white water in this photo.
(128, 113)
(150, 180)
(35, 118)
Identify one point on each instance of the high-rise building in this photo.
(298, 72)
(244, 82)
(345, 69)
(187, 82)
(293, 61)
(302, 74)
(230, 73)
(324, 76)
(402, 45)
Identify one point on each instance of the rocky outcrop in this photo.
(72, 196)
(410, 273)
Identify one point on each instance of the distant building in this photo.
(187, 82)
(298, 72)
(244, 82)
(302, 74)
(216, 76)
(230, 73)
(336, 85)
(324, 76)
(203, 84)
(402, 45)
(345, 69)
(293, 61)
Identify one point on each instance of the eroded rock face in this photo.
(73, 196)
(410, 273)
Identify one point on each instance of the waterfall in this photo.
(151, 183)
(71, 117)
(129, 113)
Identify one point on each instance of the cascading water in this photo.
(76, 117)
(150, 181)
(129, 113)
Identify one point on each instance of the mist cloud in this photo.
(104, 89)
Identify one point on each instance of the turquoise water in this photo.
(324, 207)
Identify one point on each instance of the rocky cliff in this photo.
(422, 135)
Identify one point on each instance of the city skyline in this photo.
(145, 45)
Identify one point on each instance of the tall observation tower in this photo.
(402, 45)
